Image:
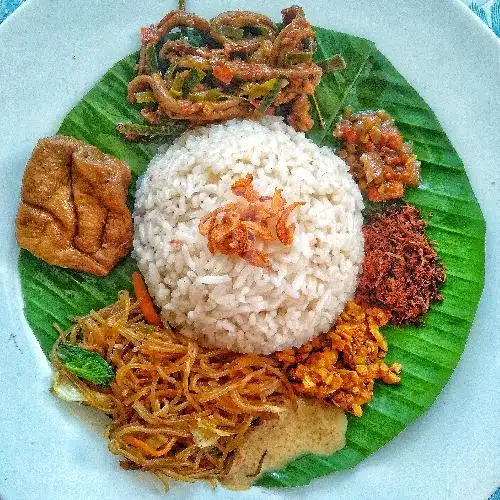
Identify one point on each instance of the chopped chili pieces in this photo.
(401, 272)
(148, 34)
(233, 228)
(340, 367)
(382, 164)
(223, 73)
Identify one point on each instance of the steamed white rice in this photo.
(222, 300)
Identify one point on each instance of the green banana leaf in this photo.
(428, 353)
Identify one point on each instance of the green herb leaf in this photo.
(85, 364)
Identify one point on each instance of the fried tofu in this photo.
(73, 210)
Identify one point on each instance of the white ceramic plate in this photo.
(52, 52)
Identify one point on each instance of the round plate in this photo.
(52, 52)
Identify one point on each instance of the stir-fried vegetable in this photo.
(176, 88)
(144, 97)
(193, 78)
(152, 58)
(297, 58)
(185, 81)
(240, 57)
(208, 95)
(223, 73)
(231, 32)
(256, 90)
(170, 71)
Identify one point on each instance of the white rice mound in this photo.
(224, 301)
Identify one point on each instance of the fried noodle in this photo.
(178, 409)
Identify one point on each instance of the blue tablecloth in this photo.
(8, 6)
(488, 12)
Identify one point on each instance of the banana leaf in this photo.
(429, 353)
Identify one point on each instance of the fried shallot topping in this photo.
(340, 367)
(233, 228)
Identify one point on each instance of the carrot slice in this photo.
(223, 73)
(145, 302)
(138, 443)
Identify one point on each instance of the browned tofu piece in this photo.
(73, 210)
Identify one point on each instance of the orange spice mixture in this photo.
(233, 228)
(340, 367)
(382, 164)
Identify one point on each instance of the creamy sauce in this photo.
(311, 428)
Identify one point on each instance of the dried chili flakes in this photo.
(234, 228)
(401, 272)
(340, 367)
(382, 164)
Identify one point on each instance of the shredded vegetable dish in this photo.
(239, 64)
